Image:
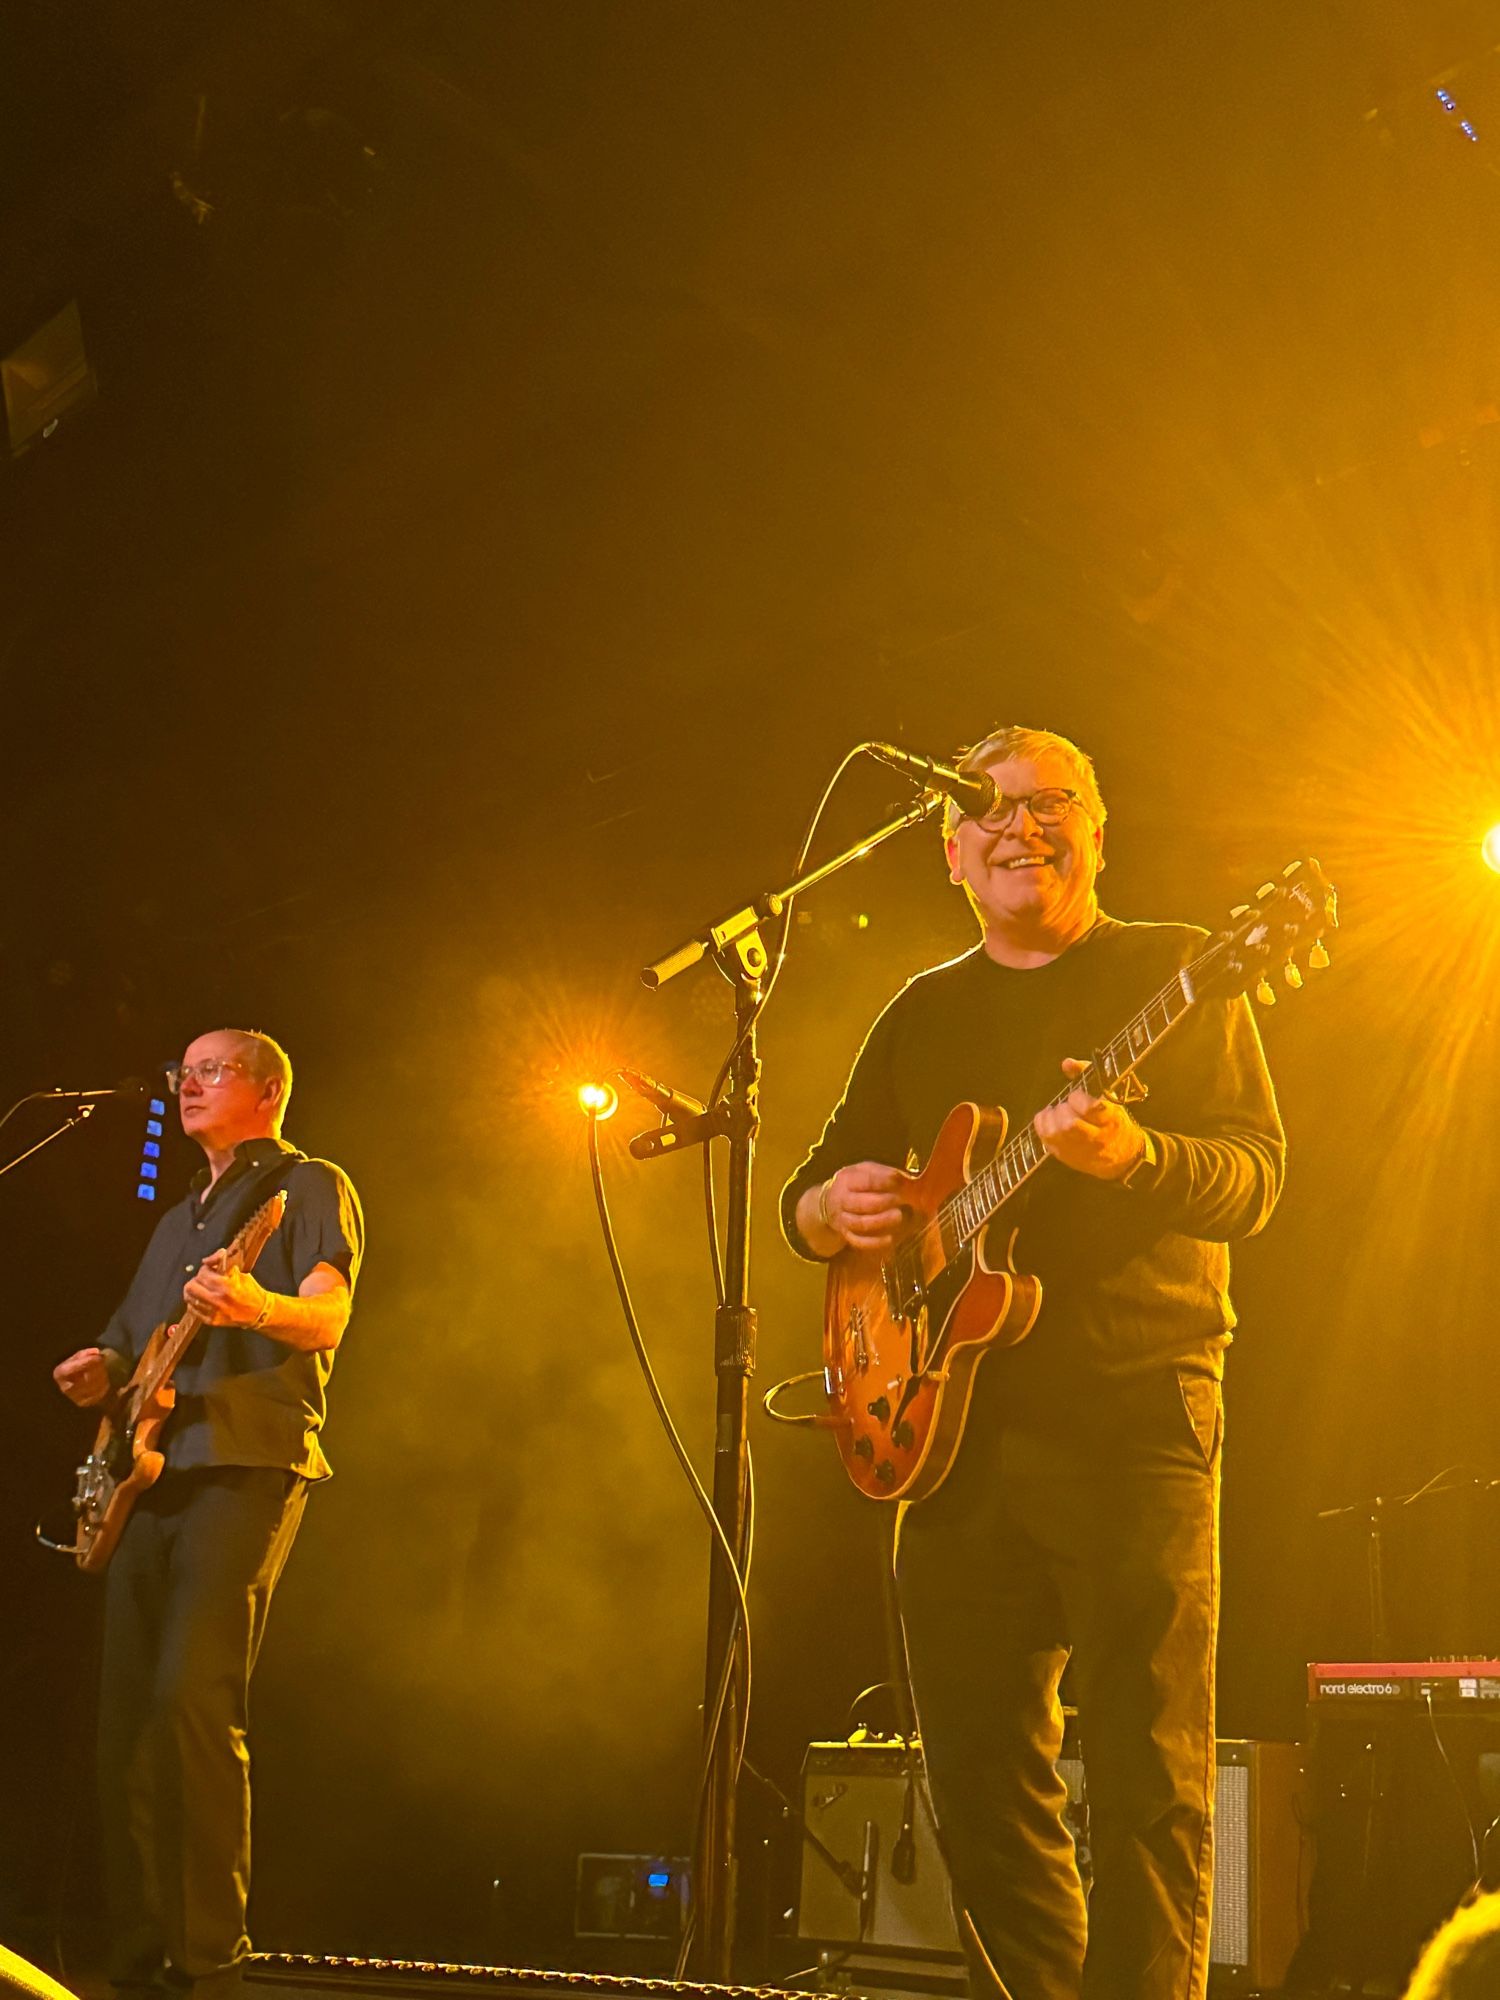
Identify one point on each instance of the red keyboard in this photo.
(1445, 1683)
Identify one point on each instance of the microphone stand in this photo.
(735, 942)
(76, 1116)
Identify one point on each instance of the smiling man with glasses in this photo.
(1080, 1520)
(188, 1588)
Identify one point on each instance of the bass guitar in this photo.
(126, 1458)
(905, 1329)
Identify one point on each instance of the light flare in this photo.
(598, 1100)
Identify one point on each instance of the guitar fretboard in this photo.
(966, 1213)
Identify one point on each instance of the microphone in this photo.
(670, 1103)
(975, 791)
(130, 1086)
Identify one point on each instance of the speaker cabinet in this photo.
(855, 1806)
(1257, 1867)
(866, 1806)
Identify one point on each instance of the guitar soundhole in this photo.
(903, 1437)
(863, 1448)
(885, 1473)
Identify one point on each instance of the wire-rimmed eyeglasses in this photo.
(211, 1071)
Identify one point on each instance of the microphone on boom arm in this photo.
(130, 1086)
(974, 791)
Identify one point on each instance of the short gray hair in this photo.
(268, 1060)
(1016, 741)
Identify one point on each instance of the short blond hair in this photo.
(1015, 741)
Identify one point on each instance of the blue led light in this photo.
(153, 1126)
(1445, 100)
(157, 1108)
(1468, 130)
(145, 1193)
(151, 1150)
(148, 1170)
(656, 1880)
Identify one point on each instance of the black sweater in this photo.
(1132, 1278)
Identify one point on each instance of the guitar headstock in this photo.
(257, 1233)
(1283, 927)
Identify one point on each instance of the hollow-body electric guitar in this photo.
(905, 1329)
(126, 1458)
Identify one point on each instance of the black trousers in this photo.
(1090, 1535)
(186, 1598)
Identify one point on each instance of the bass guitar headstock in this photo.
(1283, 928)
(257, 1233)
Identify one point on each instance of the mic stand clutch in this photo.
(735, 941)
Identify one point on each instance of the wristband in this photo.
(1145, 1164)
(263, 1315)
(823, 1216)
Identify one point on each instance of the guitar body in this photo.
(125, 1460)
(904, 1331)
(900, 1357)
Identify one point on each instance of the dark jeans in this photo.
(1091, 1534)
(186, 1597)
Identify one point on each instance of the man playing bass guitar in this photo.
(189, 1586)
(1080, 1518)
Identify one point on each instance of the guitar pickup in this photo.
(905, 1297)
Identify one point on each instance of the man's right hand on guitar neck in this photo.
(84, 1377)
(859, 1206)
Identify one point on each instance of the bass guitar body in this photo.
(905, 1329)
(125, 1460)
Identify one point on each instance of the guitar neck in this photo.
(179, 1339)
(972, 1207)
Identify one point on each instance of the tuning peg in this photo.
(1317, 958)
(1292, 973)
(1265, 992)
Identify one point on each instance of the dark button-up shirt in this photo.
(242, 1397)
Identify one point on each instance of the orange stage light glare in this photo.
(1491, 848)
(598, 1100)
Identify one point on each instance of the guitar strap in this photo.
(258, 1187)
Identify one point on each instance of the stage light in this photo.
(598, 1100)
(1491, 848)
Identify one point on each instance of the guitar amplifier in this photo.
(854, 1799)
(854, 1802)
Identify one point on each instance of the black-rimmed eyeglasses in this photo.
(1048, 807)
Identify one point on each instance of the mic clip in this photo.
(673, 1133)
(684, 1120)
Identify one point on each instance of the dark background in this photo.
(532, 443)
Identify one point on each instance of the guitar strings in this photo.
(964, 1218)
(1025, 1153)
